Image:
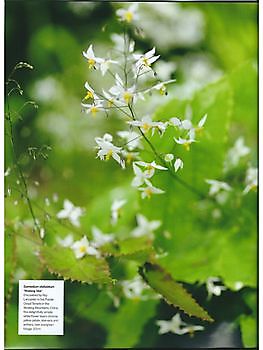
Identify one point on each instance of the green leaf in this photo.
(172, 291)
(249, 331)
(127, 324)
(62, 262)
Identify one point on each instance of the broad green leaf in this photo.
(172, 291)
(249, 331)
(127, 324)
(62, 262)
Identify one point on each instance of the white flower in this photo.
(149, 190)
(83, 247)
(169, 157)
(111, 100)
(178, 164)
(105, 65)
(125, 95)
(175, 122)
(145, 60)
(71, 213)
(142, 176)
(116, 209)
(199, 127)
(251, 180)
(238, 151)
(161, 87)
(90, 92)
(100, 238)
(212, 288)
(177, 326)
(108, 150)
(216, 186)
(128, 15)
(66, 241)
(134, 288)
(144, 226)
(146, 124)
(93, 61)
(185, 142)
(93, 108)
(132, 138)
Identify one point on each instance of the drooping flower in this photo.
(178, 164)
(100, 238)
(177, 326)
(90, 95)
(213, 288)
(93, 109)
(141, 176)
(169, 157)
(128, 15)
(149, 190)
(185, 142)
(150, 167)
(145, 60)
(146, 124)
(70, 212)
(66, 241)
(108, 150)
(123, 94)
(93, 61)
(145, 227)
(160, 87)
(83, 247)
(116, 210)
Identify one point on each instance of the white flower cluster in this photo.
(129, 68)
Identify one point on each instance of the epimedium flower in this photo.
(178, 164)
(145, 227)
(93, 109)
(128, 15)
(149, 190)
(108, 150)
(66, 241)
(213, 288)
(145, 60)
(134, 288)
(123, 94)
(216, 186)
(71, 213)
(146, 124)
(83, 247)
(177, 326)
(90, 95)
(160, 87)
(100, 238)
(93, 61)
(150, 167)
(116, 210)
(142, 175)
(185, 142)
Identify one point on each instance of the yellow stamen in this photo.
(128, 16)
(254, 188)
(89, 95)
(127, 96)
(94, 110)
(91, 63)
(146, 127)
(199, 130)
(145, 62)
(148, 192)
(82, 249)
(162, 90)
(187, 146)
(129, 158)
(109, 154)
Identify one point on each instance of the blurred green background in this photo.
(212, 52)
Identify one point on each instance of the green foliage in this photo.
(249, 331)
(10, 261)
(172, 291)
(61, 261)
